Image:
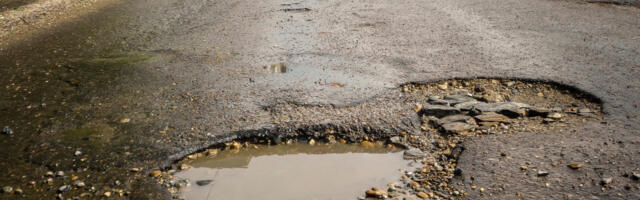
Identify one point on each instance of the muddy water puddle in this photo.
(296, 171)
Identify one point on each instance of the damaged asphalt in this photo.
(140, 84)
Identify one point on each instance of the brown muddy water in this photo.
(295, 171)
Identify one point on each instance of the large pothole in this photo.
(450, 112)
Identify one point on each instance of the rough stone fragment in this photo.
(439, 110)
(543, 173)
(492, 117)
(606, 180)
(7, 131)
(456, 99)
(203, 182)
(466, 106)
(413, 153)
(554, 116)
(64, 188)
(436, 100)
(454, 118)
(575, 165)
(507, 108)
(7, 189)
(456, 127)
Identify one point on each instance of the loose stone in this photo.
(555, 116)
(575, 165)
(413, 153)
(203, 182)
(7, 131)
(64, 188)
(606, 181)
(7, 189)
(493, 117)
(367, 144)
(423, 195)
(155, 173)
(77, 153)
(542, 173)
(79, 184)
(60, 173)
(635, 176)
(439, 110)
(457, 127)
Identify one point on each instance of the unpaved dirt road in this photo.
(139, 84)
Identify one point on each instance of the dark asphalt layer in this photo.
(140, 83)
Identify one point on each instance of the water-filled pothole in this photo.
(441, 117)
(295, 171)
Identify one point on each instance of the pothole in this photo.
(295, 171)
(450, 112)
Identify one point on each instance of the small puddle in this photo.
(296, 171)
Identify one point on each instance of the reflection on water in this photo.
(298, 171)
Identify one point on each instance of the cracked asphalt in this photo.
(142, 83)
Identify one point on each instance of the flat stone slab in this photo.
(492, 117)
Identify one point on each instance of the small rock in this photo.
(455, 118)
(457, 127)
(367, 144)
(125, 120)
(524, 168)
(203, 182)
(540, 94)
(585, 110)
(184, 167)
(554, 116)
(439, 110)
(18, 191)
(312, 142)
(395, 140)
(77, 153)
(606, 181)
(635, 176)
(417, 108)
(376, 192)
(575, 165)
(423, 195)
(135, 169)
(7, 189)
(493, 117)
(457, 99)
(437, 101)
(7, 131)
(413, 153)
(60, 173)
(512, 108)
(236, 145)
(443, 86)
(79, 184)
(542, 173)
(492, 97)
(64, 188)
(107, 194)
(155, 173)
(509, 84)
